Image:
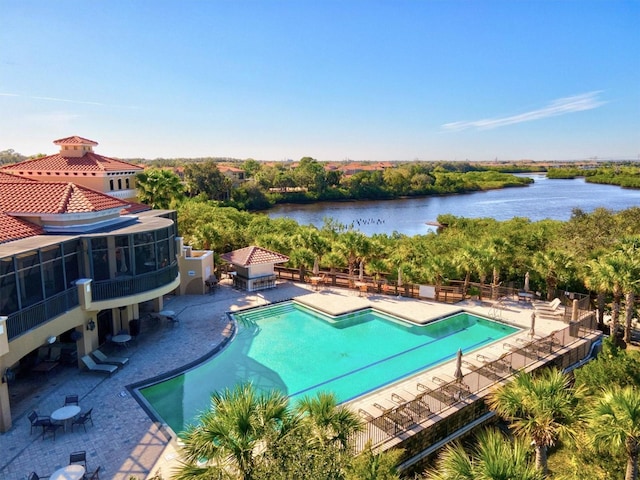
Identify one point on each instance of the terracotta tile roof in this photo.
(8, 177)
(253, 256)
(75, 140)
(53, 197)
(89, 162)
(12, 228)
(135, 208)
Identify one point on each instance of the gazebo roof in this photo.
(253, 255)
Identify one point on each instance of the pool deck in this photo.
(124, 441)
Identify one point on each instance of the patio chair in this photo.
(94, 367)
(95, 474)
(82, 419)
(102, 358)
(51, 427)
(35, 476)
(79, 457)
(71, 400)
(38, 420)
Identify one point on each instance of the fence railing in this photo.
(481, 372)
(31, 317)
(123, 287)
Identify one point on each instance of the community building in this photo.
(80, 260)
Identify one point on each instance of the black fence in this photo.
(28, 318)
(123, 287)
(480, 372)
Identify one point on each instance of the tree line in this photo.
(309, 180)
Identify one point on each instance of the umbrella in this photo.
(399, 277)
(532, 332)
(361, 276)
(458, 373)
(316, 267)
(526, 282)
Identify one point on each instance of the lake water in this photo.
(545, 198)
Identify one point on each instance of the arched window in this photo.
(119, 184)
(126, 182)
(111, 184)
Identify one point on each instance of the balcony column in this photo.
(5, 406)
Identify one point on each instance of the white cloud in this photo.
(561, 106)
(64, 100)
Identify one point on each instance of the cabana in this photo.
(254, 267)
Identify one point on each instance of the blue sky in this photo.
(363, 80)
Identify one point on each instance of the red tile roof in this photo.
(8, 177)
(53, 198)
(135, 208)
(253, 256)
(75, 140)
(12, 228)
(89, 162)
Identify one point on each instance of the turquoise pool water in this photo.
(300, 352)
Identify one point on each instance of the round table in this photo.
(70, 472)
(122, 339)
(64, 414)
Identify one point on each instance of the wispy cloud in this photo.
(65, 100)
(561, 106)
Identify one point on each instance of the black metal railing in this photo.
(481, 372)
(28, 318)
(123, 287)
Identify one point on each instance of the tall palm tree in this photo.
(603, 276)
(615, 424)
(231, 435)
(629, 276)
(495, 457)
(543, 408)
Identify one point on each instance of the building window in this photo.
(119, 184)
(126, 183)
(111, 184)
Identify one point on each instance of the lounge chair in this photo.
(102, 358)
(100, 368)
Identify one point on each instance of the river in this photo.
(545, 198)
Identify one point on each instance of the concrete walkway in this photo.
(124, 441)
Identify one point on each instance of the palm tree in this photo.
(233, 433)
(542, 408)
(553, 266)
(603, 277)
(330, 423)
(495, 457)
(158, 187)
(615, 424)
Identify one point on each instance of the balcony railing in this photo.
(31, 317)
(123, 287)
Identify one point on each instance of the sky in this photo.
(332, 79)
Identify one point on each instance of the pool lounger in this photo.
(397, 415)
(418, 408)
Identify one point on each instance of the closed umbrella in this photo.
(399, 277)
(532, 332)
(526, 282)
(361, 276)
(316, 267)
(458, 373)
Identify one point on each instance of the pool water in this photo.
(299, 351)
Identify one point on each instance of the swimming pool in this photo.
(300, 351)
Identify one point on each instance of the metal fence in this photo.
(28, 318)
(123, 287)
(482, 372)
